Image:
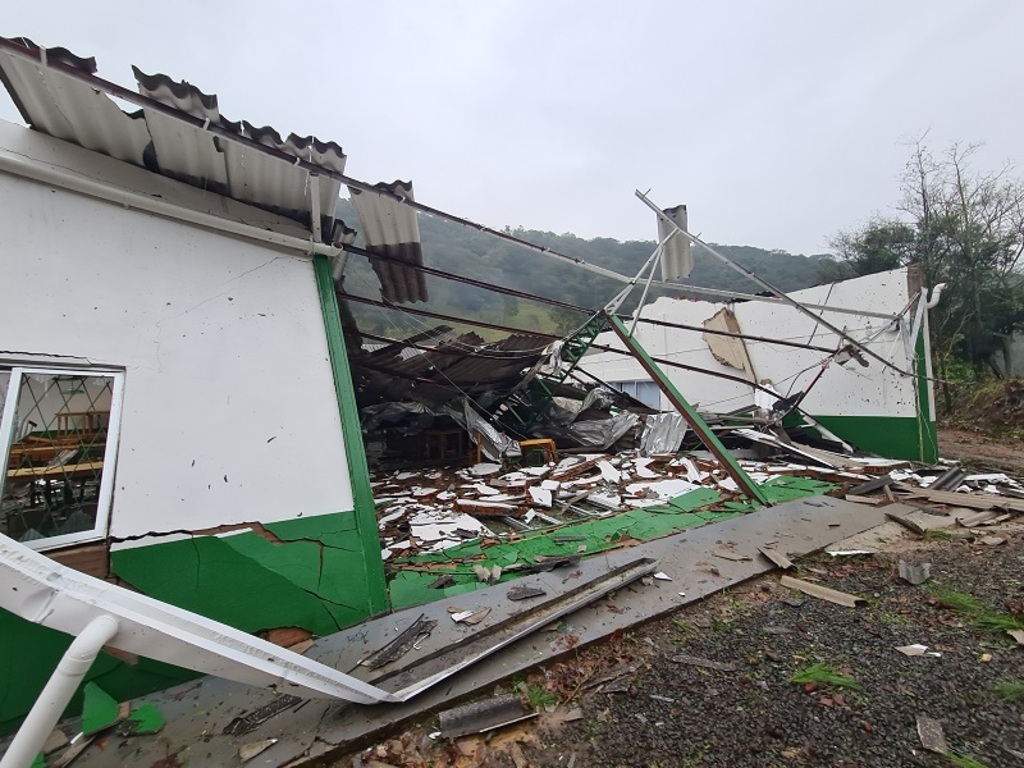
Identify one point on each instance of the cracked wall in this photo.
(230, 415)
(230, 412)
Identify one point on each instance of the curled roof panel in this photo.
(391, 229)
(70, 108)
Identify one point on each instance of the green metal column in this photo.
(355, 453)
(709, 438)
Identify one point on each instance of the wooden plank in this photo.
(91, 559)
(81, 469)
(822, 593)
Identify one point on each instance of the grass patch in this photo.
(1010, 690)
(985, 619)
(823, 674)
(958, 601)
(540, 697)
(964, 761)
(938, 535)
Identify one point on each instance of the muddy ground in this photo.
(713, 685)
(977, 448)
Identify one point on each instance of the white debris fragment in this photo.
(917, 649)
(461, 616)
(537, 471)
(606, 500)
(485, 469)
(486, 490)
(442, 527)
(642, 470)
(609, 473)
(849, 552)
(663, 489)
(550, 485)
(385, 553)
(662, 576)
(420, 493)
(540, 496)
(446, 495)
(406, 475)
(400, 513)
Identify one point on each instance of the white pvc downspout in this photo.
(59, 689)
(59, 177)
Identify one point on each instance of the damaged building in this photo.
(191, 410)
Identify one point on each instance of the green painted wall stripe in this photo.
(895, 437)
(359, 473)
(928, 435)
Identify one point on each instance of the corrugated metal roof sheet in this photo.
(464, 365)
(72, 109)
(391, 229)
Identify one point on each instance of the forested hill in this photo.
(465, 251)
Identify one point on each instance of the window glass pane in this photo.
(55, 467)
(647, 392)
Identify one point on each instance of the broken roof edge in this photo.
(37, 156)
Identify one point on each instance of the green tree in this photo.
(965, 228)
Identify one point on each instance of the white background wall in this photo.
(229, 407)
(849, 390)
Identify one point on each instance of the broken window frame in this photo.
(8, 422)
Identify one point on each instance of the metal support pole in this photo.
(688, 412)
(769, 287)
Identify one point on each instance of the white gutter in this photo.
(52, 702)
(59, 177)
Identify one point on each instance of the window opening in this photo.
(58, 434)
(645, 391)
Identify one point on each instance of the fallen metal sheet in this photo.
(663, 434)
(872, 485)
(972, 500)
(822, 593)
(322, 731)
(428, 670)
(976, 519)
(52, 595)
(948, 480)
(482, 716)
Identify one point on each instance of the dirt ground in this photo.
(713, 685)
(1005, 453)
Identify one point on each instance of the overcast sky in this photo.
(777, 123)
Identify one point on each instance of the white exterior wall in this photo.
(229, 411)
(849, 390)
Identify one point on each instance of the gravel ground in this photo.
(667, 713)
